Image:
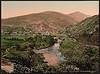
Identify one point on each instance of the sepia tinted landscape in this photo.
(50, 41)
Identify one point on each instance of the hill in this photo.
(48, 21)
(86, 31)
(78, 16)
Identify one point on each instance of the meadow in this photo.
(9, 43)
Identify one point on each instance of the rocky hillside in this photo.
(86, 31)
(78, 16)
(48, 21)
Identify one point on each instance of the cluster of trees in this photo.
(83, 57)
(36, 43)
(41, 38)
(28, 61)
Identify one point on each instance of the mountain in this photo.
(78, 16)
(86, 31)
(48, 21)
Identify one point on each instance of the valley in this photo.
(50, 42)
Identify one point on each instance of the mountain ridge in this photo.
(53, 21)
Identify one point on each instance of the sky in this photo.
(18, 8)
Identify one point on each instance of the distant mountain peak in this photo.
(48, 12)
(51, 12)
(77, 12)
(81, 13)
(78, 16)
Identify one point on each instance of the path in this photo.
(7, 66)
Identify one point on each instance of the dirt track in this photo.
(7, 68)
(93, 46)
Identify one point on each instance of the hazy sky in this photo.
(17, 8)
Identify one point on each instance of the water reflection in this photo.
(55, 49)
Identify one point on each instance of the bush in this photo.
(85, 58)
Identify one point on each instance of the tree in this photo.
(3, 72)
(17, 47)
(50, 40)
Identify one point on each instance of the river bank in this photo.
(52, 54)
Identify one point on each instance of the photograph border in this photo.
(57, 73)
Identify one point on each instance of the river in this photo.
(52, 54)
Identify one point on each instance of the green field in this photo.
(9, 43)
